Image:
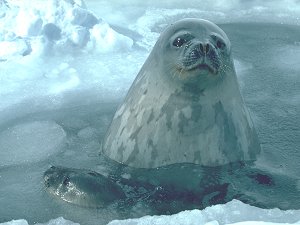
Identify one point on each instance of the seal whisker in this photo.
(172, 69)
(175, 69)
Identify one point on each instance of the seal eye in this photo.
(182, 39)
(178, 42)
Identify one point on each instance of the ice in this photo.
(88, 133)
(18, 47)
(59, 221)
(62, 41)
(261, 223)
(80, 36)
(234, 212)
(52, 32)
(64, 23)
(83, 17)
(105, 39)
(28, 23)
(16, 222)
(30, 142)
(286, 11)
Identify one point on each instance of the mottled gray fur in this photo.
(185, 105)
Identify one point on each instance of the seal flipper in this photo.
(82, 187)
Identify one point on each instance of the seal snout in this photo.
(50, 176)
(47, 179)
(200, 50)
(204, 47)
(202, 56)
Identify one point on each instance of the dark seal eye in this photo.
(182, 39)
(178, 42)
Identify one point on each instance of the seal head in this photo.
(81, 187)
(194, 54)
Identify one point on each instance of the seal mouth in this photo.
(205, 67)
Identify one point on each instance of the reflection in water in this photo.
(186, 186)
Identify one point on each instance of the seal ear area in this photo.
(223, 45)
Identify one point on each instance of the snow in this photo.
(232, 213)
(14, 48)
(60, 221)
(260, 223)
(16, 222)
(104, 39)
(59, 31)
(66, 64)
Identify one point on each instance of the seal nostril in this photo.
(204, 48)
(207, 48)
(201, 48)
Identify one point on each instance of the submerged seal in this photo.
(81, 187)
(185, 105)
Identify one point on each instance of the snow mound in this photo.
(104, 39)
(59, 26)
(59, 221)
(16, 222)
(52, 50)
(260, 223)
(30, 142)
(234, 212)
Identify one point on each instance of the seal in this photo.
(185, 104)
(81, 187)
(185, 114)
(90, 189)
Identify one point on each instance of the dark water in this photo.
(269, 73)
(179, 187)
(271, 87)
